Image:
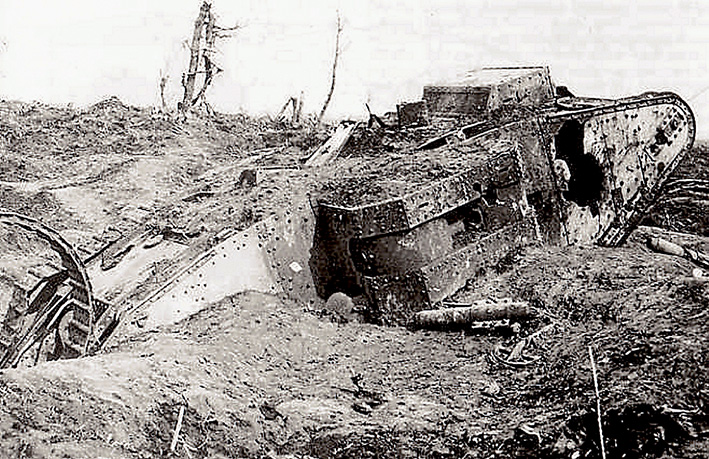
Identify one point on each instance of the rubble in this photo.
(330, 150)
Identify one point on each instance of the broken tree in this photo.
(297, 105)
(202, 51)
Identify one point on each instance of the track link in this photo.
(61, 304)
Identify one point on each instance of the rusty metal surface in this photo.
(380, 231)
(431, 201)
(400, 252)
(235, 265)
(638, 142)
(456, 100)
(394, 299)
(285, 241)
(412, 114)
(488, 89)
(448, 276)
(271, 257)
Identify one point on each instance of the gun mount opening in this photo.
(585, 185)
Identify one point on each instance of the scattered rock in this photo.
(153, 241)
(247, 178)
(269, 411)
(362, 407)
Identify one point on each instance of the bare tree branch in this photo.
(285, 106)
(334, 71)
(227, 29)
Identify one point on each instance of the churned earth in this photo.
(257, 375)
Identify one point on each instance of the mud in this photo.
(259, 375)
(263, 376)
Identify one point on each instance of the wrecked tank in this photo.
(524, 164)
(499, 159)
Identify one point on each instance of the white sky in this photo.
(80, 51)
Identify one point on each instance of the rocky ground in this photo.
(263, 376)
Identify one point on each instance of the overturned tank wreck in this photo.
(518, 161)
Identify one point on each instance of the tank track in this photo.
(631, 214)
(61, 303)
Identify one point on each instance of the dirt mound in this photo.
(260, 376)
(257, 376)
(116, 166)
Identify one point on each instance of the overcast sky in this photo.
(81, 51)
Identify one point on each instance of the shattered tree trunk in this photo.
(209, 68)
(285, 106)
(189, 79)
(332, 148)
(298, 109)
(483, 310)
(202, 50)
